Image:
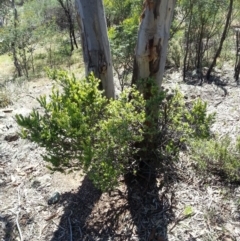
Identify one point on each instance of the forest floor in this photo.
(178, 205)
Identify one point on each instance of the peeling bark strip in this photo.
(95, 44)
(153, 35)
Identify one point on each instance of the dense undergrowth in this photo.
(79, 127)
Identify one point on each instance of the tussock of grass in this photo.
(5, 99)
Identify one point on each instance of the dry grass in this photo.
(5, 99)
(6, 67)
(11, 88)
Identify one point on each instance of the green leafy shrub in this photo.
(199, 120)
(218, 156)
(122, 40)
(80, 127)
(175, 52)
(80, 124)
(178, 123)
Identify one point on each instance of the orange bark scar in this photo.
(154, 55)
(149, 3)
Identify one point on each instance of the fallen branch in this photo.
(51, 216)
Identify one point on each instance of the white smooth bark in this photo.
(95, 43)
(153, 35)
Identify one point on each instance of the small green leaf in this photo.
(188, 211)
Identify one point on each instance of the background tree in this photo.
(69, 12)
(122, 32)
(39, 36)
(237, 62)
(203, 29)
(224, 35)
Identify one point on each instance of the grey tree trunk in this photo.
(95, 44)
(153, 36)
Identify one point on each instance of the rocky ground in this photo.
(178, 205)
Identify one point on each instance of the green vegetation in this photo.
(188, 211)
(80, 124)
(220, 157)
(80, 127)
(35, 41)
(152, 149)
(123, 23)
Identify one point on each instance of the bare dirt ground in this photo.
(178, 205)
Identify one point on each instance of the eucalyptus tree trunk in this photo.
(153, 36)
(95, 44)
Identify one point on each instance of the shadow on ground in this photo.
(6, 228)
(220, 81)
(150, 204)
(77, 209)
(139, 209)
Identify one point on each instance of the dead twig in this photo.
(51, 216)
(18, 226)
(178, 220)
